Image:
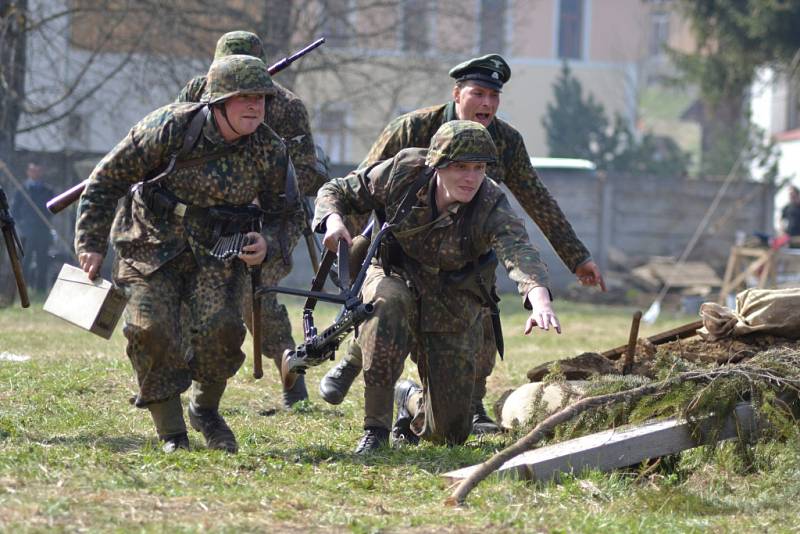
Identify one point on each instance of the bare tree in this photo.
(114, 60)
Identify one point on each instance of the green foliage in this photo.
(734, 38)
(577, 127)
(574, 125)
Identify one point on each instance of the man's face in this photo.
(476, 103)
(794, 196)
(245, 113)
(460, 181)
(34, 171)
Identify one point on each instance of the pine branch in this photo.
(547, 427)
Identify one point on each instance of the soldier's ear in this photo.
(456, 93)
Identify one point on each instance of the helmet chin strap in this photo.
(224, 114)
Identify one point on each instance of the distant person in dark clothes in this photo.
(790, 215)
(34, 232)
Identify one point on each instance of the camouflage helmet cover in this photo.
(236, 75)
(239, 42)
(460, 141)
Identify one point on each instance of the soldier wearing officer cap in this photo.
(476, 97)
(446, 216)
(286, 114)
(210, 159)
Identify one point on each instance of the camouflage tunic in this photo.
(414, 308)
(287, 116)
(513, 168)
(165, 260)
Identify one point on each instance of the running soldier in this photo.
(287, 116)
(208, 162)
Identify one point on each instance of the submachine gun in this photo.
(14, 248)
(321, 346)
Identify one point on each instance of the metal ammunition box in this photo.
(94, 305)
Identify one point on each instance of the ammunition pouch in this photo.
(230, 220)
(390, 253)
(158, 199)
(478, 279)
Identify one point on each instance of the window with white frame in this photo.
(570, 29)
(659, 33)
(492, 22)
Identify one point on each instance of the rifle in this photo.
(322, 346)
(14, 248)
(58, 203)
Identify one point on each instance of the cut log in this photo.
(617, 448)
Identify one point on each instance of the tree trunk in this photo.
(13, 19)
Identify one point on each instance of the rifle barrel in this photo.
(285, 62)
(58, 203)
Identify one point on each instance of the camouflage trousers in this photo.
(485, 357)
(446, 362)
(210, 298)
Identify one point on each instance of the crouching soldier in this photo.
(427, 287)
(189, 172)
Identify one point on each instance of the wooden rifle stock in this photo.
(255, 279)
(13, 247)
(16, 266)
(58, 203)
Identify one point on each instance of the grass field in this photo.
(76, 456)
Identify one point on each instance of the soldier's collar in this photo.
(450, 115)
(211, 130)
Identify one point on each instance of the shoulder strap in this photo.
(410, 196)
(189, 142)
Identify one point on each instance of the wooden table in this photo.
(756, 261)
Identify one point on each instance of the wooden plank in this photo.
(680, 332)
(616, 448)
(690, 273)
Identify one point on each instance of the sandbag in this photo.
(765, 311)
(517, 408)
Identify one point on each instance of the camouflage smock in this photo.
(513, 168)
(441, 247)
(256, 167)
(286, 114)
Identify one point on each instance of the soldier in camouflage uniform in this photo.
(458, 216)
(287, 116)
(162, 237)
(476, 96)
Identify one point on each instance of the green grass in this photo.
(76, 456)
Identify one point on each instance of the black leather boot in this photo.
(374, 438)
(401, 430)
(210, 423)
(482, 423)
(337, 381)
